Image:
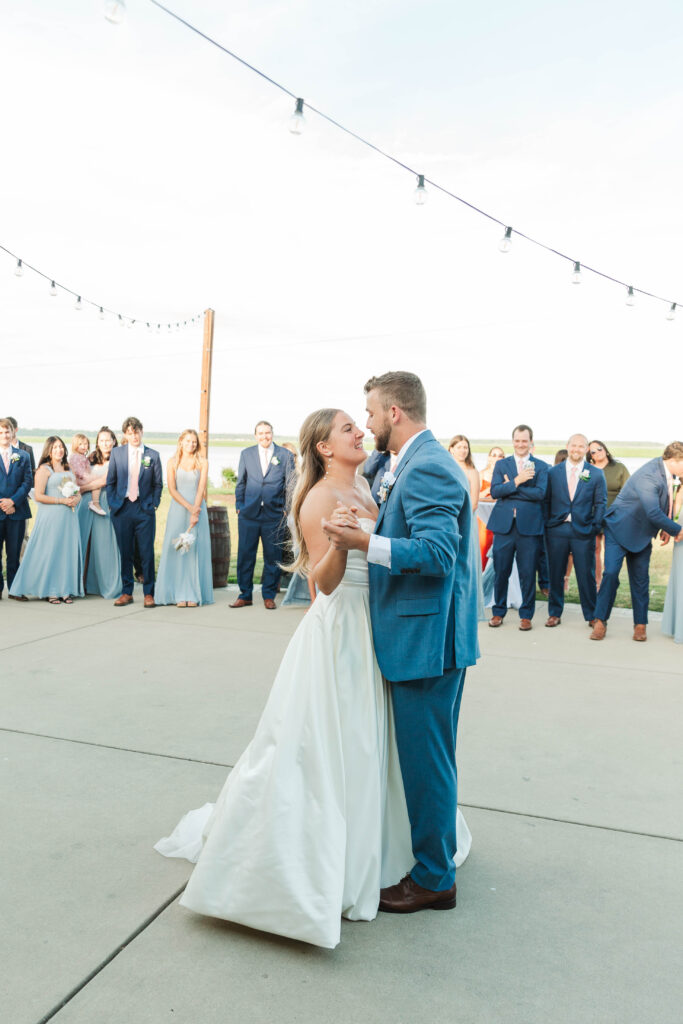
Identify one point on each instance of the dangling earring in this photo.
(329, 463)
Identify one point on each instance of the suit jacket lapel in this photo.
(415, 446)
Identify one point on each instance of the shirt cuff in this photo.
(379, 551)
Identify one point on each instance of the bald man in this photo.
(576, 501)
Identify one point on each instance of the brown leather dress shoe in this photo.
(240, 603)
(599, 630)
(525, 625)
(640, 633)
(553, 620)
(495, 621)
(123, 600)
(269, 604)
(407, 897)
(149, 601)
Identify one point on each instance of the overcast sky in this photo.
(156, 176)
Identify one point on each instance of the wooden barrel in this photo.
(220, 544)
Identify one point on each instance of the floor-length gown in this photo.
(672, 619)
(312, 820)
(185, 576)
(104, 560)
(52, 565)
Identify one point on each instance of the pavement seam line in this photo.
(474, 807)
(65, 632)
(112, 956)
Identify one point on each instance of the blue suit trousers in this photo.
(505, 547)
(271, 534)
(426, 715)
(562, 542)
(11, 537)
(132, 524)
(638, 564)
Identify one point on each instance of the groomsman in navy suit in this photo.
(134, 486)
(642, 509)
(16, 480)
(374, 468)
(575, 508)
(518, 487)
(265, 479)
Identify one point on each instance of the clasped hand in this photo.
(343, 529)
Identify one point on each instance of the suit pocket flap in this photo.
(418, 606)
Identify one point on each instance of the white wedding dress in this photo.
(312, 820)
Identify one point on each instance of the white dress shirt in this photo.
(379, 548)
(579, 470)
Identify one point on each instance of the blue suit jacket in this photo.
(524, 503)
(150, 481)
(255, 492)
(639, 511)
(588, 507)
(16, 484)
(373, 470)
(424, 609)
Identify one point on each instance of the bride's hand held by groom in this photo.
(343, 529)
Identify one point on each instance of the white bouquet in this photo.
(184, 542)
(69, 489)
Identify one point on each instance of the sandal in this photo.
(181, 604)
(191, 604)
(54, 600)
(68, 600)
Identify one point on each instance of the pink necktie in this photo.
(572, 483)
(134, 475)
(5, 458)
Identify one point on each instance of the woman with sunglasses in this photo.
(616, 475)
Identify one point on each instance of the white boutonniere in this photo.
(15, 457)
(146, 462)
(585, 474)
(275, 461)
(386, 483)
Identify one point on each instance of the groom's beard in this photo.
(382, 438)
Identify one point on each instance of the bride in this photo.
(312, 820)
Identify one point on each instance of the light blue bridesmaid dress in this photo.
(672, 619)
(52, 565)
(104, 561)
(187, 577)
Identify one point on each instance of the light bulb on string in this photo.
(120, 320)
(149, 326)
(297, 121)
(671, 315)
(630, 296)
(115, 11)
(101, 313)
(53, 288)
(19, 269)
(78, 305)
(158, 328)
(177, 328)
(505, 243)
(420, 191)
(576, 273)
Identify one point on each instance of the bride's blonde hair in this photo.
(316, 427)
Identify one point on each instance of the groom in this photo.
(423, 605)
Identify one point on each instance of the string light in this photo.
(19, 269)
(297, 121)
(576, 273)
(505, 243)
(115, 11)
(101, 313)
(630, 297)
(420, 191)
(120, 320)
(78, 305)
(53, 288)
(671, 315)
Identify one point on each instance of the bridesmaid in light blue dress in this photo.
(52, 565)
(103, 573)
(672, 619)
(186, 580)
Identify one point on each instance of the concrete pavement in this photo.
(114, 722)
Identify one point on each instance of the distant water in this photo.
(221, 458)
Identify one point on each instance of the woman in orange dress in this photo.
(485, 535)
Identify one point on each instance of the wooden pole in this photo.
(205, 396)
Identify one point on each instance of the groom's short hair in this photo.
(403, 389)
(673, 450)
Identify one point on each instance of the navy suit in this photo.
(424, 625)
(261, 503)
(517, 522)
(374, 468)
(576, 537)
(14, 485)
(636, 515)
(135, 520)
